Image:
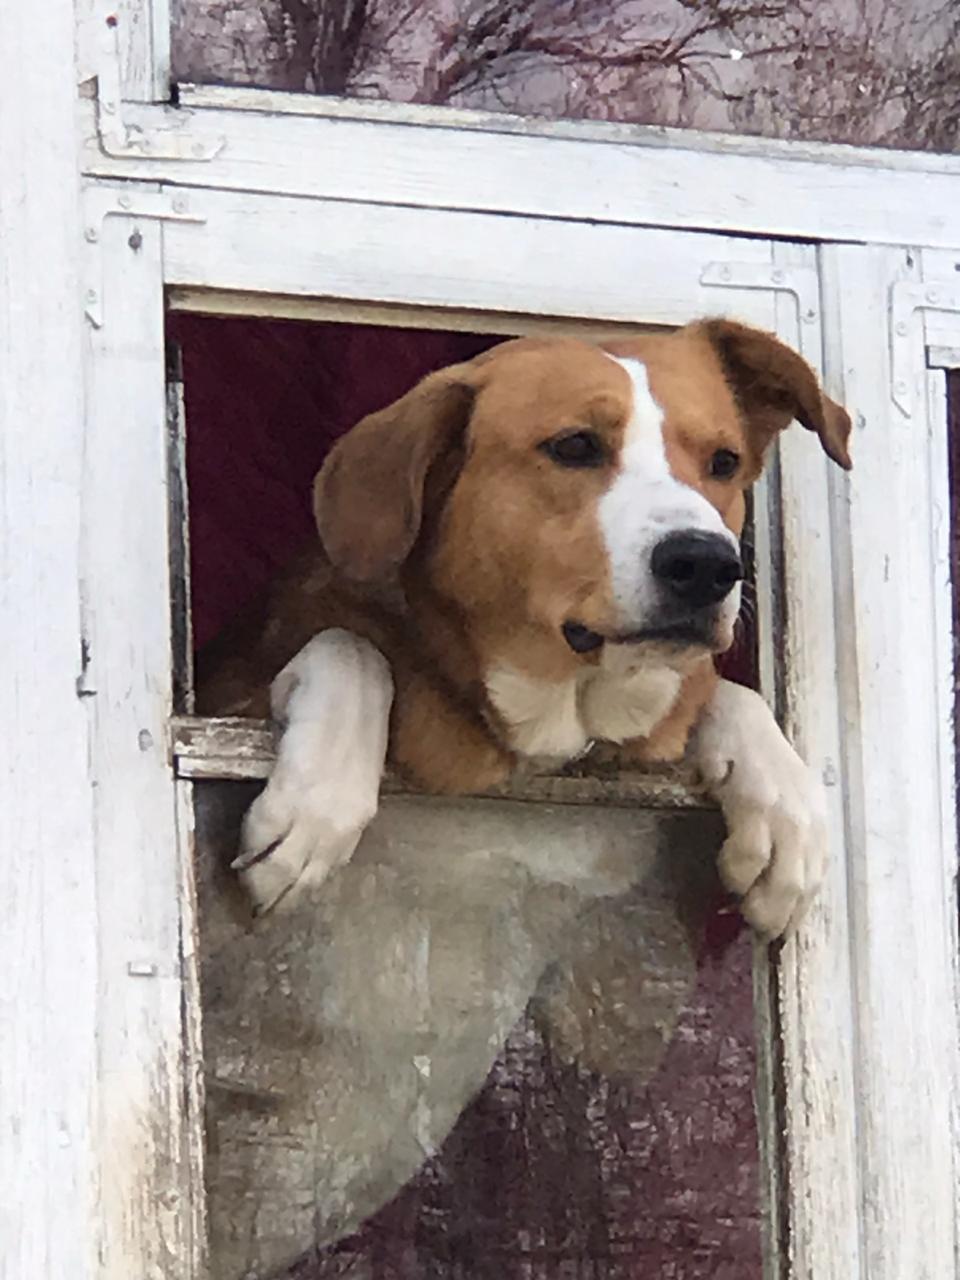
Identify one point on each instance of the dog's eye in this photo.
(724, 464)
(576, 449)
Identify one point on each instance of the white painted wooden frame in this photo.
(274, 195)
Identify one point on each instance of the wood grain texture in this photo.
(629, 177)
(891, 539)
(438, 258)
(48, 910)
(940, 327)
(818, 1144)
(214, 303)
(144, 1218)
(137, 39)
(212, 748)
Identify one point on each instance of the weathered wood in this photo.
(943, 357)
(48, 909)
(228, 748)
(213, 302)
(193, 1261)
(939, 322)
(137, 39)
(891, 543)
(386, 253)
(142, 1134)
(819, 1185)
(431, 158)
(181, 614)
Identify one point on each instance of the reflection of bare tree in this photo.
(890, 77)
(602, 51)
(873, 71)
(322, 39)
(931, 102)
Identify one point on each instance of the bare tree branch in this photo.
(882, 71)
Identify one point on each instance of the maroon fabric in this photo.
(562, 1174)
(265, 400)
(552, 1171)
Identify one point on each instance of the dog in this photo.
(529, 552)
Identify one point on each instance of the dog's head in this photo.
(562, 496)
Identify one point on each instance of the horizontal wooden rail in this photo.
(244, 750)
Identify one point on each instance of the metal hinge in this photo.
(85, 689)
(907, 298)
(802, 283)
(101, 203)
(124, 141)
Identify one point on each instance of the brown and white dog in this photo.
(529, 552)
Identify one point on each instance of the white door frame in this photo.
(95, 1078)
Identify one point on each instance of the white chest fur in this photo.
(623, 698)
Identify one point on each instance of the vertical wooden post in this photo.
(48, 912)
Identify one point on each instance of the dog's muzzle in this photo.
(694, 573)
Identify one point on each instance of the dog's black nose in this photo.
(696, 568)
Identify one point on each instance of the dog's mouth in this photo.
(580, 638)
(687, 634)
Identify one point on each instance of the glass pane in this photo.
(444, 1065)
(880, 72)
(441, 1067)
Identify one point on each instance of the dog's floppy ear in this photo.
(368, 495)
(774, 385)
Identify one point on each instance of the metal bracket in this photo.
(124, 141)
(101, 203)
(907, 298)
(802, 283)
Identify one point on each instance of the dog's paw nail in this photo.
(251, 857)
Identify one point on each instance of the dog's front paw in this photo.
(335, 698)
(293, 837)
(774, 806)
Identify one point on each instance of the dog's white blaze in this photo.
(645, 503)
